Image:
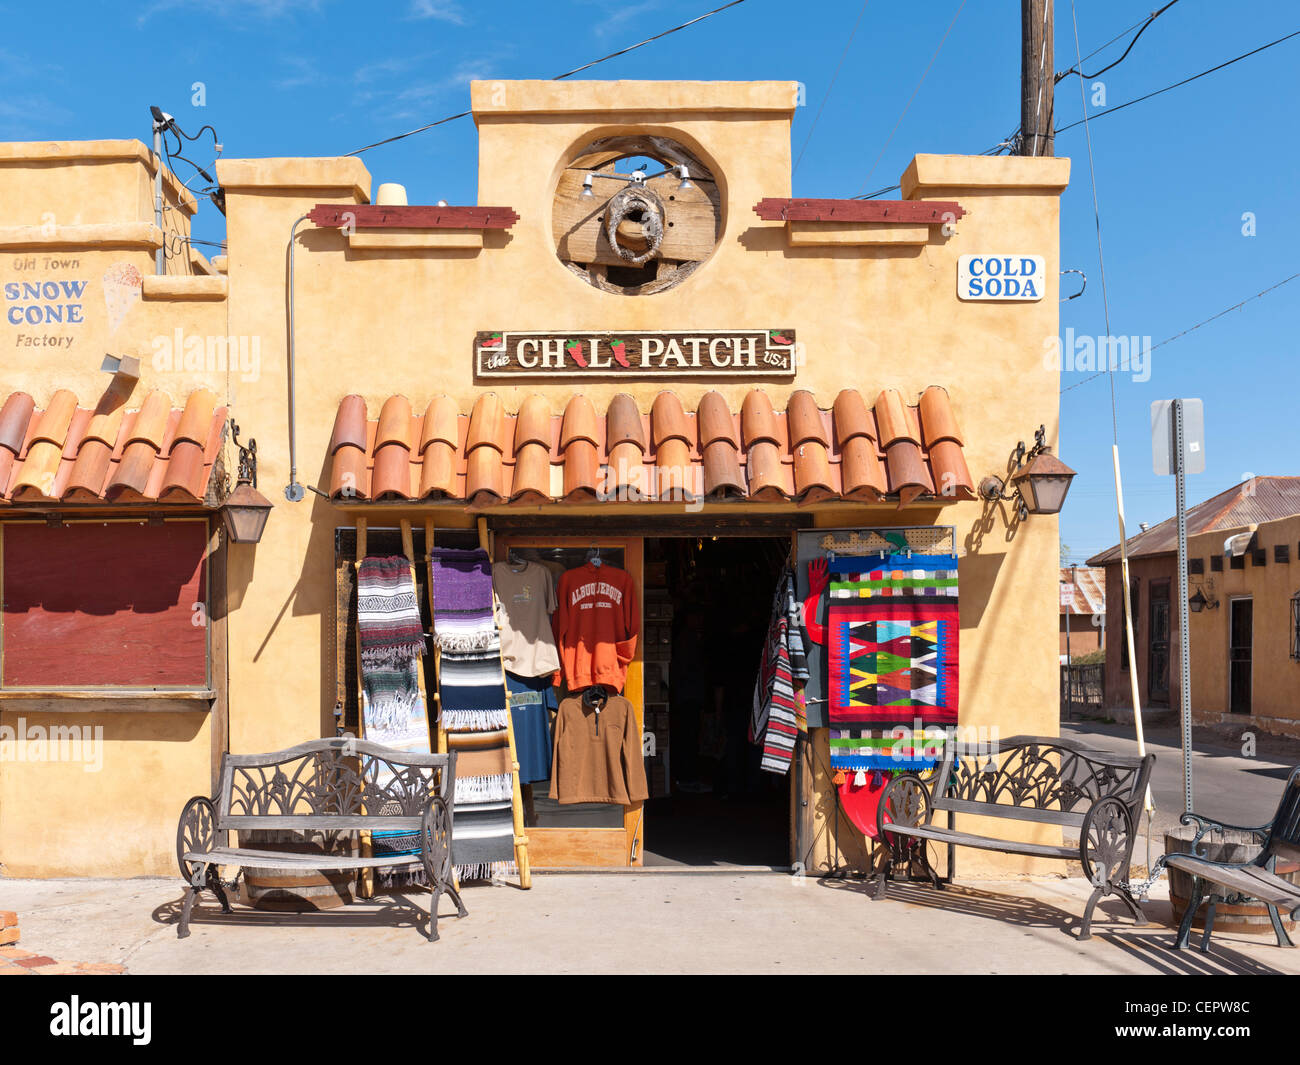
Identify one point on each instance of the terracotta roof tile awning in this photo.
(67, 453)
(887, 452)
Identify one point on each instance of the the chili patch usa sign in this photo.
(578, 354)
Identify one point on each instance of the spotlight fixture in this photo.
(637, 177)
(587, 193)
(684, 173)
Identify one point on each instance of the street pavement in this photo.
(654, 922)
(1225, 785)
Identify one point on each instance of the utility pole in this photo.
(1037, 79)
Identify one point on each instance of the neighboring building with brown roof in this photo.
(1243, 574)
(1083, 610)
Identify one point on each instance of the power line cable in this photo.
(1178, 84)
(1193, 328)
(558, 77)
(816, 118)
(1096, 213)
(1087, 77)
(911, 98)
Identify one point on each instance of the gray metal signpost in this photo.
(1178, 447)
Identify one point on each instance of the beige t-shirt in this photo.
(527, 597)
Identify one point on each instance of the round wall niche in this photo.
(635, 214)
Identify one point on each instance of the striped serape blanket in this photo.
(392, 640)
(483, 830)
(463, 620)
(472, 702)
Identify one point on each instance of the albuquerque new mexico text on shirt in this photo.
(588, 591)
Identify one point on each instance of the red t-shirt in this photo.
(596, 626)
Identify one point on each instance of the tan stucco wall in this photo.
(69, 212)
(390, 321)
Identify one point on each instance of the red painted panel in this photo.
(930, 212)
(413, 216)
(89, 604)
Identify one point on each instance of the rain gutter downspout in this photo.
(293, 491)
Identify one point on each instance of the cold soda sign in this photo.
(1001, 277)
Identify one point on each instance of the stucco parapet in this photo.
(219, 264)
(91, 235)
(109, 151)
(495, 99)
(345, 173)
(927, 173)
(184, 287)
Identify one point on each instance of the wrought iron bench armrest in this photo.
(1205, 824)
(907, 800)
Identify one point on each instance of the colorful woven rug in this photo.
(893, 634)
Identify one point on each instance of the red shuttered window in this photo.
(104, 604)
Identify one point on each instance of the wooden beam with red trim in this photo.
(931, 212)
(414, 216)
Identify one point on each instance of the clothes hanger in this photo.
(593, 556)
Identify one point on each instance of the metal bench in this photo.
(1034, 779)
(340, 785)
(1244, 882)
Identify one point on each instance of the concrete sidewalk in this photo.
(634, 922)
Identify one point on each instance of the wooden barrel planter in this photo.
(289, 890)
(1228, 846)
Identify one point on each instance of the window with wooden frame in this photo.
(109, 604)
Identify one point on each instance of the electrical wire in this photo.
(1096, 213)
(817, 118)
(1193, 328)
(1088, 77)
(911, 98)
(558, 77)
(1178, 84)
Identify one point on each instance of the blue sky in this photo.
(1175, 175)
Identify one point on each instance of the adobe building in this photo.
(1244, 609)
(688, 371)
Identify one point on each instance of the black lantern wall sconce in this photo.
(245, 510)
(1038, 484)
(1198, 602)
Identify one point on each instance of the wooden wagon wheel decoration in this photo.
(636, 234)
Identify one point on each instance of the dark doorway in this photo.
(707, 607)
(1241, 632)
(1158, 645)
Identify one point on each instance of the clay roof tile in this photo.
(395, 423)
(14, 418)
(349, 424)
(487, 425)
(196, 421)
(534, 423)
(757, 420)
(623, 423)
(715, 421)
(937, 419)
(579, 424)
(668, 421)
(441, 422)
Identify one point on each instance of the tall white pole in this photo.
(1128, 616)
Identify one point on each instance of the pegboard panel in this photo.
(920, 539)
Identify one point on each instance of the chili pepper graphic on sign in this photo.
(619, 348)
(494, 341)
(777, 337)
(574, 348)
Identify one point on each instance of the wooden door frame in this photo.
(594, 847)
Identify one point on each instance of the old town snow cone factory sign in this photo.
(736, 352)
